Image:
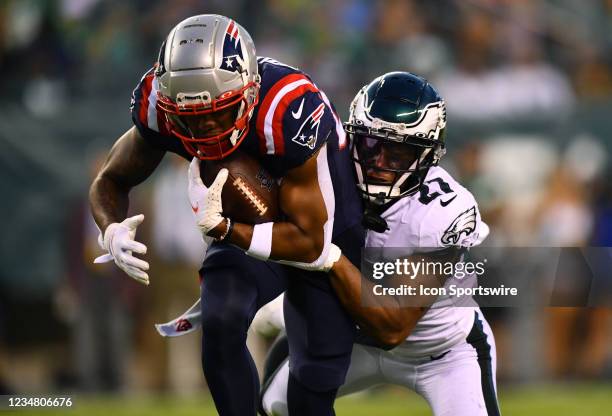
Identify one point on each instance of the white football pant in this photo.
(459, 382)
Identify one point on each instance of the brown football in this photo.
(250, 195)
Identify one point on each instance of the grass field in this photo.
(549, 400)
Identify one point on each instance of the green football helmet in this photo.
(397, 128)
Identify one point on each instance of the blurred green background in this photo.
(529, 92)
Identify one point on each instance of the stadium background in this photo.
(529, 92)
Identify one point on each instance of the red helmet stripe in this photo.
(232, 30)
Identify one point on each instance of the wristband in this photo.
(261, 242)
(228, 230)
(322, 264)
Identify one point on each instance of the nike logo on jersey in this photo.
(298, 114)
(437, 357)
(445, 203)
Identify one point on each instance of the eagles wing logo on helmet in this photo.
(309, 130)
(232, 49)
(465, 223)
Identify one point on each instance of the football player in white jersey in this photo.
(444, 353)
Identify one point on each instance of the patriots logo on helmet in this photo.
(309, 130)
(232, 49)
(465, 223)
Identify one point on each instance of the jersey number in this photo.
(426, 197)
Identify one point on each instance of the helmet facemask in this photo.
(224, 120)
(389, 166)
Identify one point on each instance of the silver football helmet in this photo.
(208, 84)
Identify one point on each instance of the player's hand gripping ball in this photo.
(236, 187)
(206, 201)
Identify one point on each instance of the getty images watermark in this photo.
(488, 276)
(414, 270)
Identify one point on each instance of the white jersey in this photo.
(443, 214)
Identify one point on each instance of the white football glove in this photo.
(205, 202)
(119, 241)
(323, 264)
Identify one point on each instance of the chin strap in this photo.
(373, 221)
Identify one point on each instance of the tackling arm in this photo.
(386, 318)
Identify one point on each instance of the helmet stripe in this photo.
(230, 27)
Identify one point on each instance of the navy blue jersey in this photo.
(292, 120)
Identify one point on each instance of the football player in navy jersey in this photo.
(207, 96)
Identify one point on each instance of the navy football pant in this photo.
(234, 287)
(320, 332)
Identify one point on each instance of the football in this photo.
(250, 194)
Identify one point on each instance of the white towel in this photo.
(188, 322)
